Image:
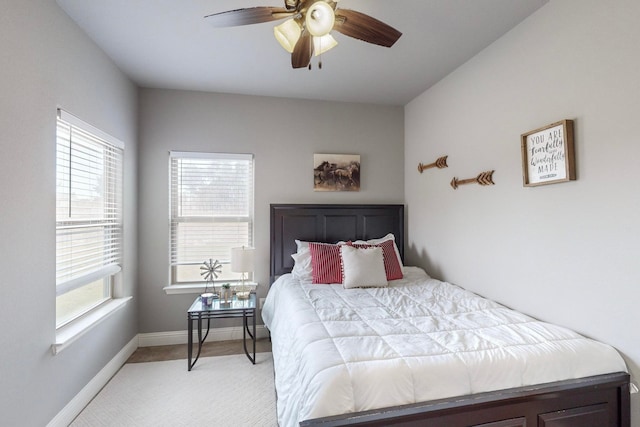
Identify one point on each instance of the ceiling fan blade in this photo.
(301, 56)
(247, 16)
(364, 27)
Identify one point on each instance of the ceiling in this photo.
(168, 44)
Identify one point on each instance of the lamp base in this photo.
(243, 294)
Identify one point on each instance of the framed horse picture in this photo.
(336, 172)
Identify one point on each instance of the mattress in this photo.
(342, 350)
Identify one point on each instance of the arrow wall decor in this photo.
(484, 178)
(441, 163)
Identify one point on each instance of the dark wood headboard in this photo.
(329, 224)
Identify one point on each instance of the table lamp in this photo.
(242, 262)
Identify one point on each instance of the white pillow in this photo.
(302, 269)
(301, 244)
(389, 236)
(362, 267)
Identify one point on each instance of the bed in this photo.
(397, 355)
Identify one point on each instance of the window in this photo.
(89, 171)
(211, 211)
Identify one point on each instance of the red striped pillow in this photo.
(326, 263)
(391, 265)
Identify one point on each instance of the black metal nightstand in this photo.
(244, 308)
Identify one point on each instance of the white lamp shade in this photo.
(242, 260)
(323, 44)
(288, 34)
(320, 19)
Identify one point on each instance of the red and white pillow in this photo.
(324, 263)
(389, 236)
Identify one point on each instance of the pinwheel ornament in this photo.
(210, 271)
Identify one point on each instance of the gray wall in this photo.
(283, 134)
(47, 62)
(566, 253)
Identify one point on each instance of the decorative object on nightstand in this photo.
(209, 271)
(242, 262)
(227, 293)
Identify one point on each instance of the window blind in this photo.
(89, 170)
(211, 206)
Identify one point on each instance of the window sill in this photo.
(71, 332)
(198, 288)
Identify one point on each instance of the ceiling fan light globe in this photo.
(320, 19)
(287, 34)
(323, 44)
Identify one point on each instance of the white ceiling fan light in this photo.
(288, 34)
(324, 44)
(320, 19)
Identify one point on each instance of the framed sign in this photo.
(548, 155)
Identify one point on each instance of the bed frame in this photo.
(597, 401)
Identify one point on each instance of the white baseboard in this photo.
(82, 399)
(153, 339)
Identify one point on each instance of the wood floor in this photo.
(209, 349)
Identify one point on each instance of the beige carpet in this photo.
(219, 391)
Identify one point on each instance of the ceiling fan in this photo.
(307, 31)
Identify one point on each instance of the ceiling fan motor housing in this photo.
(291, 4)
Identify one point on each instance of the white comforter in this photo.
(341, 350)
